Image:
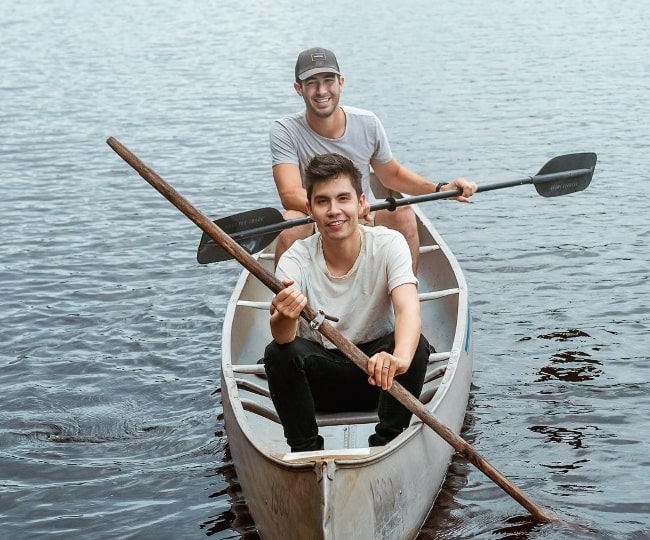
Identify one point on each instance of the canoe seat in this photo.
(351, 417)
(329, 419)
(427, 395)
(249, 369)
(435, 373)
(322, 419)
(424, 297)
(258, 369)
(428, 249)
(434, 295)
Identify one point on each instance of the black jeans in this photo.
(305, 378)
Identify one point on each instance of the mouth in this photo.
(336, 224)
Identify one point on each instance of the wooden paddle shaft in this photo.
(343, 344)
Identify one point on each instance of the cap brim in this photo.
(316, 71)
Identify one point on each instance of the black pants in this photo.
(305, 378)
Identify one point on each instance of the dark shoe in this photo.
(376, 440)
(311, 446)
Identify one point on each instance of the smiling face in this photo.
(321, 93)
(335, 207)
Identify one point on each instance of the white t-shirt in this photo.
(361, 298)
(293, 141)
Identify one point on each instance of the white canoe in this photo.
(347, 490)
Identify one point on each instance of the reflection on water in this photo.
(564, 335)
(573, 437)
(571, 366)
(237, 517)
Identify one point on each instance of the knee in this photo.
(289, 236)
(280, 358)
(402, 220)
(405, 220)
(275, 354)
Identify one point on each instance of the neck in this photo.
(340, 256)
(332, 127)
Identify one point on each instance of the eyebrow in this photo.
(337, 196)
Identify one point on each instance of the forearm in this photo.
(407, 337)
(399, 178)
(295, 200)
(393, 176)
(283, 329)
(411, 183)
(288, 182)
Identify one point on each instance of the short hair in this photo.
(325, 167)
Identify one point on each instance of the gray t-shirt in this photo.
(361, 298)
(293, 141)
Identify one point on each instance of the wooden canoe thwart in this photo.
(347, 490)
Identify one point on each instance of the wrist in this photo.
(440, 185)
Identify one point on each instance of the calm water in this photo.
(110, 421)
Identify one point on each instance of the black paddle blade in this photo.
(565, 174)
(209, 251)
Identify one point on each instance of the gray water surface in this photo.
(110, 423)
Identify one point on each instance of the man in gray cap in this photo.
(324, 127)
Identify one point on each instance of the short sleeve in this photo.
(283, 149)
(399, 265)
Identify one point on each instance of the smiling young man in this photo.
(325, 126)
(363, 276)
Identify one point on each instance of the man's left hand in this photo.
(469, 188)
(383, 367)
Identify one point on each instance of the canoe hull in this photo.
(349, 490)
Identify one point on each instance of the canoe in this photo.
(347, 490)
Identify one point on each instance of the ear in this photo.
(362, 199)
(298, 88)
(341, 81)
(311, 214)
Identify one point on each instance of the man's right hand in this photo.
(289, 302)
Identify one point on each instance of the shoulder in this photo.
(295, 119)
(302, 250)
(286, 136)
(382, 234)
(385, 243)
(356, 111)
(361, 114)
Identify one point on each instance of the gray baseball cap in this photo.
(315, 60)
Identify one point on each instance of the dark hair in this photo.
(325, 167)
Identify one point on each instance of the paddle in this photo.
(256, 229)
(325, 328)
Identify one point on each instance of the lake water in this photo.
(110, 413)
